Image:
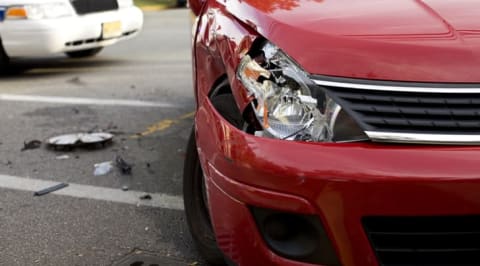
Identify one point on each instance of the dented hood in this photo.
(401, 40)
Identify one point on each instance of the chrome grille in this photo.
(449, 114)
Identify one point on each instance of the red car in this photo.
(335, 132)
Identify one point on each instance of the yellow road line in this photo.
(153, 7)
(162, 125)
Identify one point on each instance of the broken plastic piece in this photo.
(31, 145)
(62, 157)
(80, 139)
(102, 168)
(146, 197)
(50, 189)
(125, 167)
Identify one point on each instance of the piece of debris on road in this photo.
(124, 167)
(50, 189)
(31, 145)
(80, 140)
(63, 157)
(102, 168)
(146, 197)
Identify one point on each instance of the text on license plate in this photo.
(111, 29)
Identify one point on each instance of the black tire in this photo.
(181, 3)
(4, 60)
(195, 201)
(84, 53)
(196, 210)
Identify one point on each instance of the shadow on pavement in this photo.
(42, 67)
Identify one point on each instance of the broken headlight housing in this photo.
(288, 105)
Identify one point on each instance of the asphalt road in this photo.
(139, 86)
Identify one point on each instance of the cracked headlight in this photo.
(40, 11)
(288, 105)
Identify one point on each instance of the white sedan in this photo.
(79, 28)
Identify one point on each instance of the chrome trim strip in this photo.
(423, 138)
(377, 87)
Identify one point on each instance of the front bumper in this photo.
(48, 36)
(339, 183)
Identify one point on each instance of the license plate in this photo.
(111, 29)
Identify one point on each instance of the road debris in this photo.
(102, 168)
(63, 157)
(124, 167)
(76, 81)
(146, 197)
(80, 140)
(31, 145)
(125, 188)
(50, 189)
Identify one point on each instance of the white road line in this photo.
(81, 101)
(92, 192)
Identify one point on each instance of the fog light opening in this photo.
(291, 235)
(294, 236)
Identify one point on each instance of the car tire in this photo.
(196, 209)
(181, 3)
(196, 206)
(4, 59)
(84, 53)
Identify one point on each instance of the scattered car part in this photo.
(102, 168)
(31, 145)
(146, 197)
(124, 167)
(80, 139)
(50, 189)
(63, 157)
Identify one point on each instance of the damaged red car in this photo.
(335, 132)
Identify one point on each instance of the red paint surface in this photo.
(430, 41)
(434, 41)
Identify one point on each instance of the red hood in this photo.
(403, 40)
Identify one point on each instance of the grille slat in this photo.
(466, 111)
(411, 112)
(425, 240)
(83, 7)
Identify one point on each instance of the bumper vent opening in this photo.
(447, 241)
(295, 236)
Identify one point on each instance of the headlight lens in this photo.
(40, 11)
(288, 104)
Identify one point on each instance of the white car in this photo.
(79, 28)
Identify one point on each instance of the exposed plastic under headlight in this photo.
(288, 104)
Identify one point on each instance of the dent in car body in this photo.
(421, 41)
